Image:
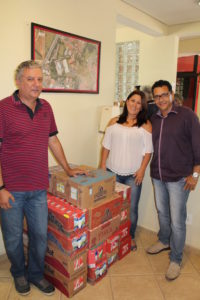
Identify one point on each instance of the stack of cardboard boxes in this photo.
(89, 225)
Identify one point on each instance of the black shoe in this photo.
(22, 285)
(44, 286)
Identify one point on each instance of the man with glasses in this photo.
(175, 169)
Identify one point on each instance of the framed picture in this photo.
(70, 62)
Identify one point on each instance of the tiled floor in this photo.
(136, 277)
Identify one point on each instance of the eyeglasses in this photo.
(162, 96)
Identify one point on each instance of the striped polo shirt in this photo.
(24, 139)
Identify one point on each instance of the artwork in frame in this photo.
(70, 62)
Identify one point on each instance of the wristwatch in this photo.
(195, 175)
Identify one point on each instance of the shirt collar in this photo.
(17, 100)
(173, 110)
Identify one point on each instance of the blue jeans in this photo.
(33, 205)
(171, 200)
(135, 197)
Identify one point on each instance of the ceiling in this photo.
(169, 12)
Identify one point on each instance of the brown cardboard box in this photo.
(112, 257)
(103, 231)
(68, 266)
(125, 191)
(97, 273)
(85, 191)
(125, 214)
(67, 286)
(105, 211)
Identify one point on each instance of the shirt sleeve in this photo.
(1, 123)
(53, 127)
(107, 138)
(148, 146)
(195, 138)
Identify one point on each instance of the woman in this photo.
(127, 148)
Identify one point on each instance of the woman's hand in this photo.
(139, 175)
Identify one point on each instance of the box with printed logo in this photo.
(102, 232)
(71, 245)
(105, 211)
(124, 230)
(97, 273)
(69, 266)
(96, 255)
(112, 242)
(67, 286)
(125, 191)
(125, 214)
(64, 216)
(85, 191)
(125, 247)
(112, 257)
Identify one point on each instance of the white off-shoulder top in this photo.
(127, 146)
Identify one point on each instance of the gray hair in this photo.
(29, 64)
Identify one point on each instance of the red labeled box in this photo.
(64, 216)
(96, 255)
(112, 242)
(102, 232)
(125, 192)
(124, 230)
(125, 247)
(69, 287)
(70, 245)
(68, 266)
(112, 257)
(95, 274)
(105, 211)
(125, 214)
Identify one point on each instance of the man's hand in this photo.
(190, 183)
(76, 171)
(4, 199)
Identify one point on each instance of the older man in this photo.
(27, 128)
(175, 169)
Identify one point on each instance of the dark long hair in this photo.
(142, 115)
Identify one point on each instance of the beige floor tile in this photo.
(5, 287)
(194, 257)
(159, 262)
(147, 237)
(5, 268)
(135, 288)
(135, 263)
(185, 287)
(99, 291)
(35, 294)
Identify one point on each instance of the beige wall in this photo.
(189, 46)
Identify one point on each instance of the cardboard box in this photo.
(65, 217)
(97, 273)
(124, 230)
(125, 247)
(85, 191)
(103, 231)
(112, 257)
(105, 211)
(67, 286)
(71, 245)
(112, 242)
(96, 255)
(125, 191)
(52, 171)
(125, 214)
(68, 266)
